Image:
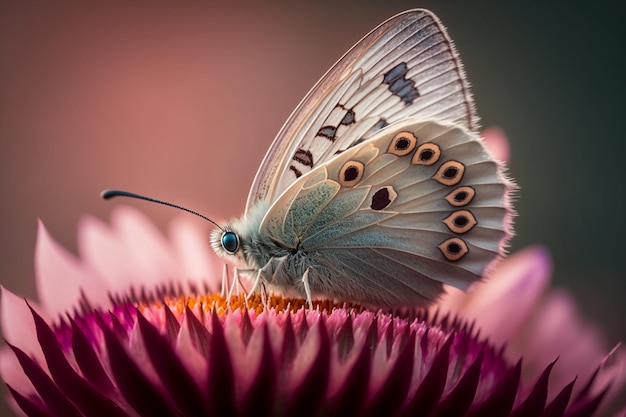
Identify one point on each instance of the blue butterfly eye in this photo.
(230, 242)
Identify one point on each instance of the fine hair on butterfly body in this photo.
(377, 190)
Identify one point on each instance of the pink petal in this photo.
(502, 303)
(12, 374)
(556, 330)
(199, 262)
(61, 278)
(131, 253)
(497, 143)
(153, 254)
(18, 329)
(195, 363)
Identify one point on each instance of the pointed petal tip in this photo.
(497, 143)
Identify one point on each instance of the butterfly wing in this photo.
(389, 220)
(405, 67)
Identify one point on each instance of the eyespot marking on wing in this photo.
(402, 144)
(399, 85)
(351, 173)
(450, 173)
(461, 196)
(383, 198)
(453, 249)
(426, 154)
(461, 221)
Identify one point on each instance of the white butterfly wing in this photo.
(389, 220)
(405, 67)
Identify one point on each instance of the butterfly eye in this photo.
(230, 242)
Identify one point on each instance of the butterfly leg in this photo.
(225, 282)
(307, 289)
(258, 280)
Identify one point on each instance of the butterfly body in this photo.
(377, 190)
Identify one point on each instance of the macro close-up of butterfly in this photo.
(378, 189)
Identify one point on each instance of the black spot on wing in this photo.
(381, 123)
(399, 85)
(328, 132)
(380, 199)
(295, 171)
(304, 157)
(349, 118)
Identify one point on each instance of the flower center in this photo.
(255, 303)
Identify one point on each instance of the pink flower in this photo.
(139, 325)
(119, 332)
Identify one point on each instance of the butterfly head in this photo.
(240, 242)
(229, 244)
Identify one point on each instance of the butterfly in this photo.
(377, 190)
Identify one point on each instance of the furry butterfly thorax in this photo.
(377, 190)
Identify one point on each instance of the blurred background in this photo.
(180, 102)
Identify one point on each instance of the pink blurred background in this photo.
(180, 102)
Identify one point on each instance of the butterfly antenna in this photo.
(108, 194)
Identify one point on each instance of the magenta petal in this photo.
(557, 406)
(89, 400)
(54, 398)
(586, 408)
(458, 401)
(261, 396)
(200, 337)
(88, 362)
(308, 397)
(536, 400)
(289, 349)
(181, 387)
(390, 398)
(500, 400)
(429, 392)
(140, 392)
(220, 381)
(349, 399)
(32, 406)
(172, 326)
